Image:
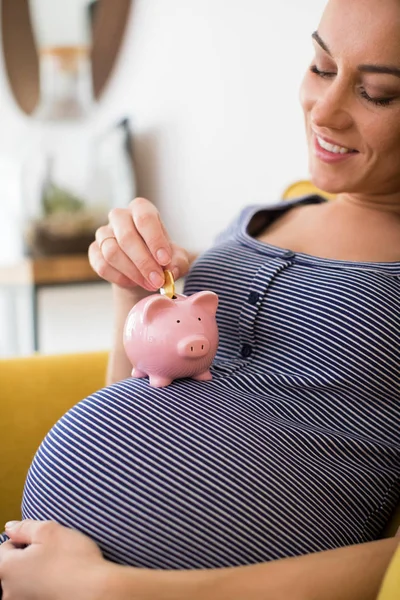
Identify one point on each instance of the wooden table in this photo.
(36, 273)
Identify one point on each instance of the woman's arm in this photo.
(351, 573)
(60, 563)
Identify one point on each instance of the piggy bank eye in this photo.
(178, 321)
(199, 318)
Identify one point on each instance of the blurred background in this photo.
(190, 103)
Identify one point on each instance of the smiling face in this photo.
(351, 98)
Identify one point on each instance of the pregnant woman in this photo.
(294, 446)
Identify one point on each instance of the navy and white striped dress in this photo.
(293, 447)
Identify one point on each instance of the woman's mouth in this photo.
(331, 153)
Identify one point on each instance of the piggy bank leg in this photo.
(138, 373)
(157, 381)
(206, 376)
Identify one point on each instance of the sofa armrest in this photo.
(34, 393)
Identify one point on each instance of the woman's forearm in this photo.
(352, 573)
(119, 366)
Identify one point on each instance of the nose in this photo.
(330, 109)
(194, 346)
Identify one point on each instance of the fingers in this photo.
(180, 262)
(5, 550)
(148, 224)
(133, 248)
(105, 270)
(24, 532)
(111, 263)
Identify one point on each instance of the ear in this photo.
(154, 305)
(207, 301)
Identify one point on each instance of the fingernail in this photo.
(11, 525)
(156, 279)
(162, 256)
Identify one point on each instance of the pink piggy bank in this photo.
(167, 339)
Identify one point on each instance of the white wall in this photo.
(211, 87)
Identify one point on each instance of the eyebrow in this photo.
(382, 69)
(320, 42)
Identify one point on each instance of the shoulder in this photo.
(242, 219)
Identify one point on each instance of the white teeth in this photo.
(331, 147)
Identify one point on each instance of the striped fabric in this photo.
(293, 447)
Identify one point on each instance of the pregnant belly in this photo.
(193, 476)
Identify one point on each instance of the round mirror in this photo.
(23, 21)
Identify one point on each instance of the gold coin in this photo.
(168, 288)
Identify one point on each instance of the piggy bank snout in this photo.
(194, 346)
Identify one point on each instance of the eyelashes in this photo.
(324, 74)
(376, 101)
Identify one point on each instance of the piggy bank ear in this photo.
(154, 305)
(207, 301)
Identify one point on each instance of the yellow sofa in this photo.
(34, 393)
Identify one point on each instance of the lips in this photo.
(333, 146)
(332, 154)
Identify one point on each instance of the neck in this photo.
(386, 204)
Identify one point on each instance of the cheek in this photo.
(383, 134)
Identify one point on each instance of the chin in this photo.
(330, 182)
(330, 185)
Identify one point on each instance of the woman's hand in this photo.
(131, 252)
(132, 249)
(62, 564)
(58, 563)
